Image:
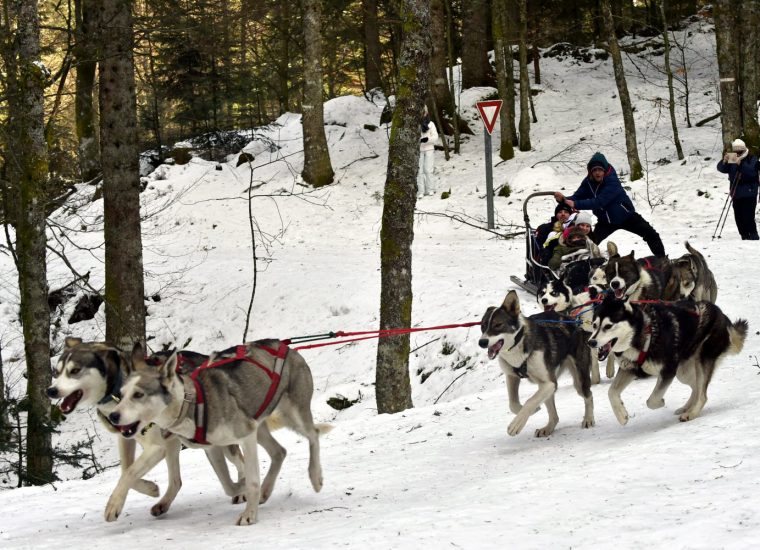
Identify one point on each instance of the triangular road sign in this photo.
(489, 112)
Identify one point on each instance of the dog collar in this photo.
(647, 342)
(115, 389)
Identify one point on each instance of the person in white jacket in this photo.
(428, 137)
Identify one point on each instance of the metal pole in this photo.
(489, 178)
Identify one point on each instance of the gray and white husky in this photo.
(227, 404)
(537, 348)
(91, 374)
(693, 278)
(686, 340)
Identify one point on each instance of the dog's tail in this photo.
(275, 421)
(737, 333)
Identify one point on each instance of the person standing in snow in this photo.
(603, 194)
(742, 169)
(428, 137)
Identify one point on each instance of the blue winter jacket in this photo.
(742, 176)
(608, 200)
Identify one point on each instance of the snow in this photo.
(444, 473)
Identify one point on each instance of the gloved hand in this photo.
(424, 140)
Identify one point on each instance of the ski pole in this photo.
(729, 202)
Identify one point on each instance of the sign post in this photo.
(489, 112)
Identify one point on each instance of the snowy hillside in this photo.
(444, 474)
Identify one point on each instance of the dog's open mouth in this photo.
(619, 293)
(605, 350)
(494, 349)
(549, 308)
(128, 430)
(69, 403)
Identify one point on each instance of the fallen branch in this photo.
(706, 120)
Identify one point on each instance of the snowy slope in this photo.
(442, 473)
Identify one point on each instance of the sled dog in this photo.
(642, 279)
(225, 402)
(685, 340)
(527, 347)
(92, 373)
(693, 278)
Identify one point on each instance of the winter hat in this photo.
(584, 217)
(738, 145)
(563, 206)
(575, 237)
(599, 160)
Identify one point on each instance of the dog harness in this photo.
(275, 374)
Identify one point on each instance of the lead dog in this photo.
(91, 373)
(685, 340)
(529, 348)
(225, 404)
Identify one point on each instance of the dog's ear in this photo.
(71, 341)
(169, 368)
(632, 255)
(110, 356)
(512, 303)
(611, 249)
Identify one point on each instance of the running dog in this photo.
(532, 348)
(685, 340)
(643, 279)
(692, 278)
(224, 402)
(91, 373)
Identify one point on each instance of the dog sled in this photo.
(536, 273)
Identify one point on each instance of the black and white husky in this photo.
(637, 279)
(537, 348)
(685, 340)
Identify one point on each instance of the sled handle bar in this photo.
(532, 195)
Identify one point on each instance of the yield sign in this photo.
(489, 112)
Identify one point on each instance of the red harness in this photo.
(274, 375)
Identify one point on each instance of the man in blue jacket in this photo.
(742, 169)
(601, 192)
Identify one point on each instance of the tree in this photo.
(392, 386)
(317, 169)
(669, 73)
(524, 79)
(501, 51)
(748, 71)
(27, 166)
(85, 54)
(439, 85)
(728, 51)
(625, 98)
(476, 71)
(124, 289)
(373, 67)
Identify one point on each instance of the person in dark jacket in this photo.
(603, 194)
(742, 169)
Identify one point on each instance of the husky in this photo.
(686, 340)
(642, 279)
(528, 347)
(91, 374)
(225, 402)
(692, 278)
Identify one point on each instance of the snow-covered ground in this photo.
(444, 473)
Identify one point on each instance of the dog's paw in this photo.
(146, 488)
(588, 423)
(621, 414)
(239, 499)
(686, 416)
(114, 508)
(247, 518)
(159, 509)
(655, 403)
(516, 426)
(546, 431)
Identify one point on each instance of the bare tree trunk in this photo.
(392, 384)
(124, 292)
(669, 72)
(85, 54)
(28, 174)
(450, 63)
(282, 63)
(373, 67)
(524, 79)
(439, 85)
(501, 51)
(728, 51)
(476, 71)
(511, 35)
(749, 21)
(625, 99)
(317, 170)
